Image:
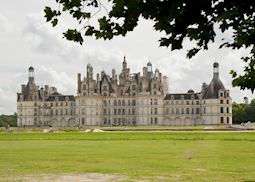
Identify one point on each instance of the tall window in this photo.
(221, 110)
(187, 110)
(177, 110)
(133, 102)
(197, 110)
(221, 120)
(182, 110)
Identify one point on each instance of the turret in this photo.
(31, 74)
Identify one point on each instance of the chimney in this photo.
(22, 88)
(79, 83)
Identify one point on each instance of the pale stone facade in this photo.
(132, 100)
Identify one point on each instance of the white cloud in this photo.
(63, 82)
(5, 24)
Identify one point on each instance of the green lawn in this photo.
(173, 156)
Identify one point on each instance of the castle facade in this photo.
(127, 99)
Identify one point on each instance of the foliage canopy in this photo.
(178, 19)
(244, 112)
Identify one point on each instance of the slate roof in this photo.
(212, 90)
(186, 96)
(31, 86)
(60, 98)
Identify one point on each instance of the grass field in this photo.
(152, 156)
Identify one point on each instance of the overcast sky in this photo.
(26, 39)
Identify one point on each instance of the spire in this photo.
(124, 64)
(124, 58)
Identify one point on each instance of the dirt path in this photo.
(87, 177)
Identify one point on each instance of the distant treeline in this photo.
(8, 120)
(243, 112)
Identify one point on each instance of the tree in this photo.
(250, 111)
(243, 112)
(10, 120)
(178, 19)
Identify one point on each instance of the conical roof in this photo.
(212, 90)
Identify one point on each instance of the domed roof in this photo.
(156, 70)
(31, 68)
(190, 91)
(149, 64)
